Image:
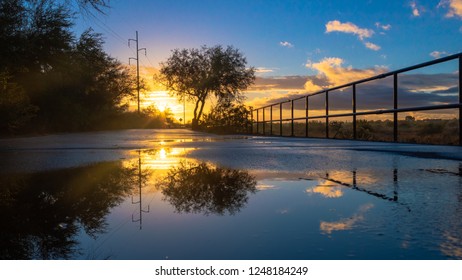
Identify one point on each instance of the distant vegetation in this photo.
(52, 80)
(426, 131)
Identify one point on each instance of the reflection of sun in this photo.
(163, 159)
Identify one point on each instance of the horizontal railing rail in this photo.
(257, 123)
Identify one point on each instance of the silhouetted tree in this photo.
(202, 188)
(228, 117)
(41, 214)
(15, 107)
(197, 74)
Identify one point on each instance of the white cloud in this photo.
(264, 70)
(385, 27)
(415, 9)
(455, 7)
(348, 27)
(372, 46)
(286, 44)
(437, 54)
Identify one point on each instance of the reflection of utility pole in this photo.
(137, 66)
(140, 195)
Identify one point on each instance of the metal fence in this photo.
(269, 120)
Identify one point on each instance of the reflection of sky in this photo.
(320, 220)
(346, 223)
(326, 189)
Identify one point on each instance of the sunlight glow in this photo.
(163, 101)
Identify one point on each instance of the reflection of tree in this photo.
(201, 188)
(41, 213)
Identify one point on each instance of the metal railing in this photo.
(257, 123)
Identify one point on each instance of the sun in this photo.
(163, 101)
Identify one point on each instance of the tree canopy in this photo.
(197, 74)
(51, 79)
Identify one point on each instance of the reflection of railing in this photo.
(261, 124)
(355, 186)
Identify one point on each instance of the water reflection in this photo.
(203, 188)
(331, 182)
(141, 176)
(347, 223)
(41, 214)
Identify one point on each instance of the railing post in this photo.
(280, 119)
(306, 115)
(258, 120)
(251, 123)
(271, 120)
(264, 123)
(327, 114)
(354, 111)
(292, 118)
(395, 106)
(460, 100)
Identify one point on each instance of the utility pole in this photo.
(137, 66)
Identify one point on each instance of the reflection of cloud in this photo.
(326, 189)
(345, 224)
(451, 246)
(348, 27)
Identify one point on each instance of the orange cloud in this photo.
(455, 7)
(326, 189)
(331, 69)
(348, 27)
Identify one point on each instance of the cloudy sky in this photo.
(297, 46)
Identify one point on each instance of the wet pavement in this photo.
(156, 194)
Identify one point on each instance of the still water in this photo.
(175, 194)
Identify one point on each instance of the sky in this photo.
(297, 47)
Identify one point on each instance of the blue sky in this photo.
(289, 38)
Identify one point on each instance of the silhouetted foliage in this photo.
(42, 213)
(72, 82)
(202, 188)
(227, 117)
(197, 74)
(15, 107)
